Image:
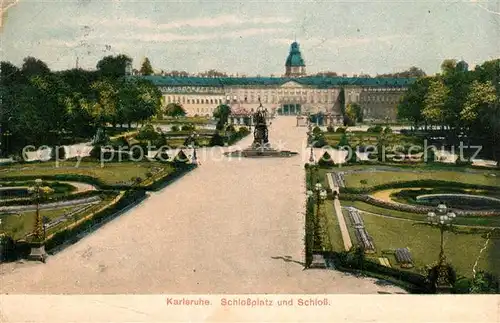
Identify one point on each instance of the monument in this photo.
(260, 146)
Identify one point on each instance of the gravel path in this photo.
(230, 226)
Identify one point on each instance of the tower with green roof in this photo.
(294, 65)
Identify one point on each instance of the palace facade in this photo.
(293, 93)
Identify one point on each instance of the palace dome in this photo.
(294, 58)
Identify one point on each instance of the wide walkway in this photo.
(230, 226)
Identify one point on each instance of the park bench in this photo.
(356, 219)
(403, 257)
(365, 240)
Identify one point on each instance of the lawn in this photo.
(382, 177)
(332, 238)
(194, 120)
(18, 225)
(423, 242)
(491, 221)
(367, 138)
(110, 173)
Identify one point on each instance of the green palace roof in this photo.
(294, 57)
(314, 81)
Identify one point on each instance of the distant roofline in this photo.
(319, 81)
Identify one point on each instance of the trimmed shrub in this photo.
(330, 129)
(230, 128)
(326, 160)
(316, 130)
(181, 157)
(187, 127)
(120, 143)
(377, 129)
(319, 141)
(341, 130)
(147, 132)
(244, 131)
(429, 156)
(61, 153)
(216, 140)
(387, 130)
(162, 155)
(353, 158)
(96, 152)
(343, 141)
(175, 128)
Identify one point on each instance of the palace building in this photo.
(293, 93)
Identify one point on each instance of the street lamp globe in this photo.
(431, 216)
(442, 207)
(38, 181)
(309, 193)
(452, 216)
(318, 186)
(323, 195)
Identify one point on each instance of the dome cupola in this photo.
(294, 65)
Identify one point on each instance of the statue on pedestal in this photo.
(260, 133)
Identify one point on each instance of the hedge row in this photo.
(51, 199)
(179, 169)
(420, 209)
(309, 232)
(416, 183)
(416, 283)
(130, 197)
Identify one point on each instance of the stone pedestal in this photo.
(38, 253)
(318, 261)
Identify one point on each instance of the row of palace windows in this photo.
(204, 110)
(384, 89)
(373, 99)
(188, 100)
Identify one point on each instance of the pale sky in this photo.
(253, 37)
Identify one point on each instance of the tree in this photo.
(222, 113)
(435, 100)
(33, 67)
(327, 74)
(104, 108)
(481, 115)
(412, 72)
(480, 100)
(146, 68)
(113, 66)
(212, 73)
(413, 101)
(448, 66)
(354, 112)
(175, 110)
(341, 101)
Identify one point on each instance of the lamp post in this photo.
(319, 195)
(38, 247)
(194, 137)
(443, 219)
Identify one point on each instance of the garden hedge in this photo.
(415, 282)
(51, 199)
(130, 197)
(179, 169)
